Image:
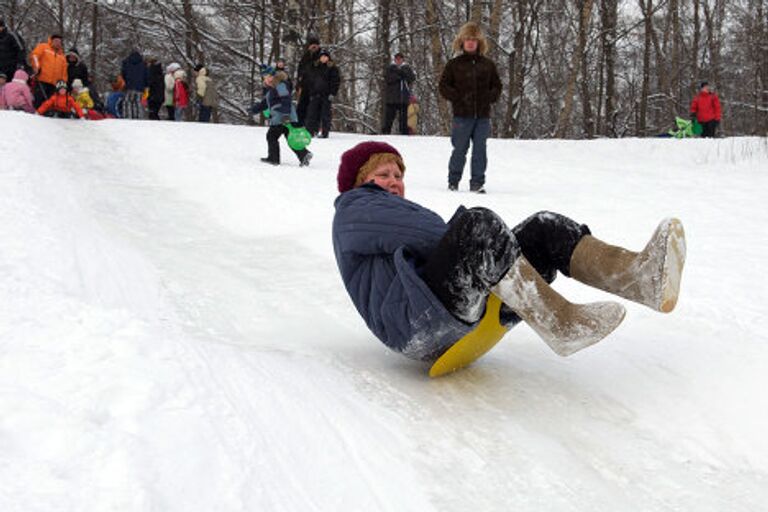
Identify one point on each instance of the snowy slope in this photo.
(174, 335)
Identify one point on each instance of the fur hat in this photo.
(470, 30)
(354, 159)
(280, 76)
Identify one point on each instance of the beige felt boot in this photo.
(565, 327)
(651, 277)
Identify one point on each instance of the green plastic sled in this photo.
(298, 137)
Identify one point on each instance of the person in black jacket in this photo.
(13, 54)
(156, 85)
(323, 80)
(76, 68)
(305, 65)
(399, 77)
(471, 83)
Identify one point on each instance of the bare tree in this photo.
(585, 11)
(629, 73)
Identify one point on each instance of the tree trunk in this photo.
(761, 121)
(60, 20)
(695, 48)
(191, 36)
(674, 78)
(384, 44)
(586, 102)
(497, 11)
(437, 62)
(94, 41)
(609, 13)
(516, 72)
(646, 7)
(585, 10)
(476, 14)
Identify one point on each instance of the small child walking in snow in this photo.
(278, 108)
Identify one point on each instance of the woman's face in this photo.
(389, 177)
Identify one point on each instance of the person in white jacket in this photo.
(205, 94)
(170, 83)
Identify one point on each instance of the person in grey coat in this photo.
(421, 284)
(399, 77)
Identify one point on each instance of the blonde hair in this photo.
(470, 30)
(373, 163)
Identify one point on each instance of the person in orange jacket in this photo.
(49, 65)
(705, 109)
(61, 104)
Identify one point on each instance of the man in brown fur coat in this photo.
(471, 83)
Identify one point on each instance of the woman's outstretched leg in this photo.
(650, 277)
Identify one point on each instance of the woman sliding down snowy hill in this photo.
(421, 284)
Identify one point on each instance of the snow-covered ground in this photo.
(174, 335)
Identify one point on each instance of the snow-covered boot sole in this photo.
(674, 261)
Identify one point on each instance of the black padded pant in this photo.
(709, 129)
(478, 249)
(273, 146)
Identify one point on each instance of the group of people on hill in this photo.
(318, 81)
(58, 83)
(54, 82)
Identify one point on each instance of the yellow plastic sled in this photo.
(475, 343)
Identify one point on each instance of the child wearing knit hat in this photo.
(421, 284)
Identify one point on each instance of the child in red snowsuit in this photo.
(61, 104)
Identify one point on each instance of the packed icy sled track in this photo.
(174, 334)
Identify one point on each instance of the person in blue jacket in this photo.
(134, 72)
(421, 284)
(276, 105)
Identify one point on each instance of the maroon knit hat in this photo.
(353, 159)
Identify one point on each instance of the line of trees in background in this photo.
(571, 68)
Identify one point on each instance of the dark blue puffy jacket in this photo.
(134, 72)
(278, 100)
(381, 241)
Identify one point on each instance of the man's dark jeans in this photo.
(466, 129)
